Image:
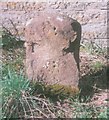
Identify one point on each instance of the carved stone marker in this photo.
(52, 49)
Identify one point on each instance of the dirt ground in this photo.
(93, 78)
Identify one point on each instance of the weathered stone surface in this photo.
(52, 49)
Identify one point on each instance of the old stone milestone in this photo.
(52, 49)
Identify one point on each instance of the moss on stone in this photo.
(55, 91)
(61, 90)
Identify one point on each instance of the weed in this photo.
(12, 87)
(86, 110)
(93, 48)
(12, 51)
(96, 66)
(104, 113)
(10, 42)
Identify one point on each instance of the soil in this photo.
(94, 80)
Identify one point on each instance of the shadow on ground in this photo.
(92, 83)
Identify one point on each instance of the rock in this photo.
(52, 49)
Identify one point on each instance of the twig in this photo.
(23, 107)
(16, 30)
(43, 102)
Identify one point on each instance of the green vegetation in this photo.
(97, 66)
(10, 41)
(12, 51)
(104, 113)
(93, 48)
(13, 86)
(20, 99)
(84, 110)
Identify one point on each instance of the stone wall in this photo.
(91, 15)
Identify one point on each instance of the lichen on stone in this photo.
(62, 90)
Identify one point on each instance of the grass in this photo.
(12, 87)
(23, 99)
(94, 49)
(12, 51)
(104, 113)
(96, 66)
(9, 41)
(13, 84)
(19, 101)
(20, 98)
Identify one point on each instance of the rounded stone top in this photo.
(49, 24)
